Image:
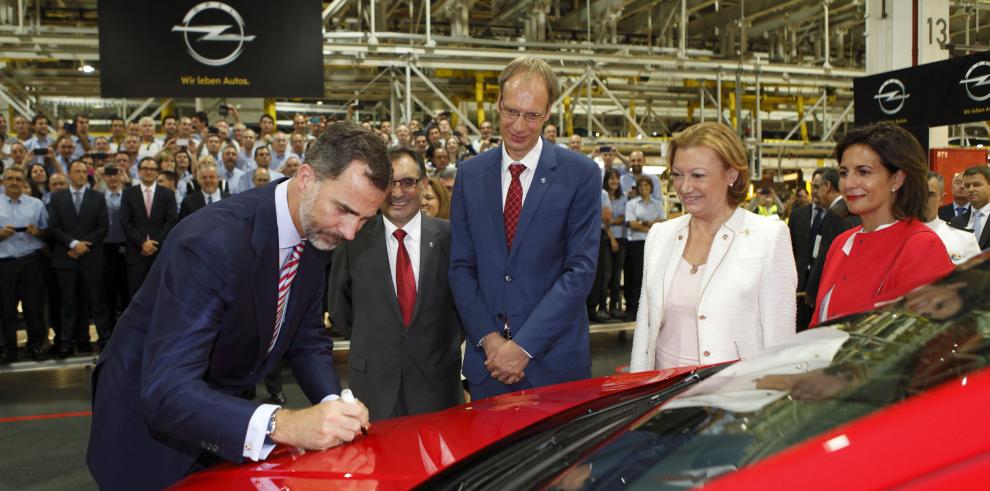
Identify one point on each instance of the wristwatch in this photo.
(271, 424)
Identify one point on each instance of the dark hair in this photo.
(898, 151)
(642, 179)
(343, 143)
(266, 115)
(171, 176)
(829, 175)
(201, 115)
(146, 159)
(609, 173)
(36, 188)
(38, 117)
(166, 118)
(74, 162)
(259, 148)
(978, 169)
(117, 119)
(419, 133)
(397, 152)
(80, 116)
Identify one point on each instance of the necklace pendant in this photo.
(694, 268)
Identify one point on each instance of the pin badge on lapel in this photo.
(543, 180)
(431, 244)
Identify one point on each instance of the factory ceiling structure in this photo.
(629, 68)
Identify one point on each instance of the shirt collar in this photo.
(151, 187)
(288, 236)
(216, 195)
(80, 190)
(836, 200)
(530, 160)
(412, 228)
(985, 210)
(111, 192)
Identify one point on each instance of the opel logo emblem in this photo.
(214, 33)
(976, 84)
(891, 96)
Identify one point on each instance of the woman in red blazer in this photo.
(882, 171)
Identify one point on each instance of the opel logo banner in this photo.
(891, 96)
(214, 33)
(196, 48)
(976, 83)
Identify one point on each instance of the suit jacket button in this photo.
(508, 278)
(708, 353)
(702, 317)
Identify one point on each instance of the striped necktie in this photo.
(285, 276)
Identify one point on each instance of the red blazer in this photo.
(882, 265)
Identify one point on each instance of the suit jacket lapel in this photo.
(264, 239)
(429, 250)
(538, 187)
(720, 246)
(379, 253)
(492, 182)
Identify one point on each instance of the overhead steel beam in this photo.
(805, 117)
(11, 101)
(618, 104)
(137, 112)
(838, 122)
(445, 100)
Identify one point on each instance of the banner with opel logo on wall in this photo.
(945, 92)
(233, 48)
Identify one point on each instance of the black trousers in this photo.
(596, 299)
(634, 275)
(115, 292)
(22, 280)
(613, 279)
(137, 271)
(82, 293)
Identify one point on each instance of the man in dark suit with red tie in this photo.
(238, 288)
(525, 225)
(147, 215)
(389, 295)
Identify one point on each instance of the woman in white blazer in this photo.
(719, 281)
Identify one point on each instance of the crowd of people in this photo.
(484, 257)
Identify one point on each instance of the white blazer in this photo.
(747, 293)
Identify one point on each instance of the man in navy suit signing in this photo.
(237, 288)
(525, 222)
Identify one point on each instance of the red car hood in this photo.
(403, 452)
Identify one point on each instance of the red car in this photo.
(893, 398)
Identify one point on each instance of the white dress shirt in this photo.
(530, 160)
(255, 446)
(216, 196)
(413, 231)
(983, 219)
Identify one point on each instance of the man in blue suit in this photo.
(525, 222)
(239, 287)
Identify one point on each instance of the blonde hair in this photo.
(724, 142)
(443, 196)
(530, 66)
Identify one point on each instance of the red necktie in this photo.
(286, 274)
(405, 282)
(513, 203)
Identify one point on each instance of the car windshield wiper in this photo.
(539, 453)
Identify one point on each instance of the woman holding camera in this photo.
(719, 280)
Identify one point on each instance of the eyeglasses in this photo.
(406, 183)
(512, 114)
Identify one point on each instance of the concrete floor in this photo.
(50, 454)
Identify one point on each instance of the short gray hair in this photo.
(449, 173)
(530, 66)
(938, 178)
(345, 142)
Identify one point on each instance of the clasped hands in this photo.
(149, 248)
(80, 250)
(504, 359)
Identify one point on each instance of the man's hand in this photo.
(508, 363)
(322, 426)
(72, 253)
(149, 247)
(491, 343)
(34, 230)
(81, 248)
(6, 231)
